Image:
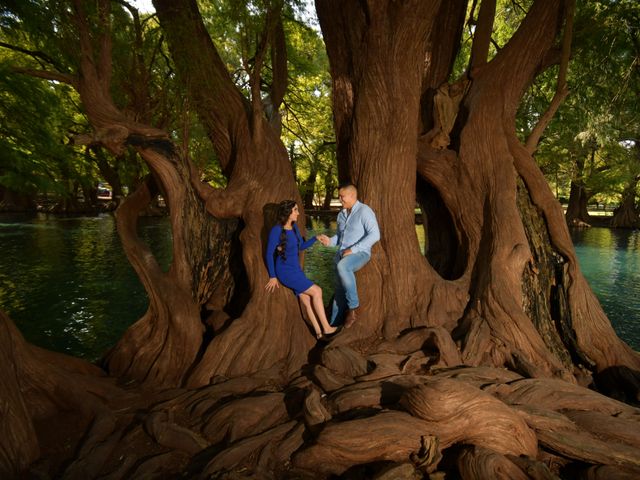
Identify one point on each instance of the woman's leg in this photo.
(315, 292)
(306, 302)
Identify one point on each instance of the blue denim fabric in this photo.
(346, 295)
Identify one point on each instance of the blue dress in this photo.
(288, 272)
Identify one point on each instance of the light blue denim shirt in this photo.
(357, 230)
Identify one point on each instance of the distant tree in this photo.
(37, 157)
(585, 143)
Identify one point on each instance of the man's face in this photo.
(347, 197)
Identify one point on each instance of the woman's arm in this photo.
(306, 243)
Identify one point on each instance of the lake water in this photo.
(67, 284)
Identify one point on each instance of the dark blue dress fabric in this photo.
(288, 271)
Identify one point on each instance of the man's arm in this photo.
(335, 240)
(372, 232)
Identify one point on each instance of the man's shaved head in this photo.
(349, 187)
(348, 195)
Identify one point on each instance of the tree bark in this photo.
(162, 347)
(377, 76)
(627, 215)
(577, 212)
(309, 187)
(270, 328)
(512, 251)
(19, 446)
(109, 173)
(329, 189)
(36, 386)
(11, 201)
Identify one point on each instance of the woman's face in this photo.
(293, 216)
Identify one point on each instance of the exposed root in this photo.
(462, 413)
(478, 463)
(391, 436)
(468, 422)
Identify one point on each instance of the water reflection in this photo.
(67, 283)
(610, 260)
(69, 287)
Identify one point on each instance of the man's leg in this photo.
(339, 306)
(347, 267)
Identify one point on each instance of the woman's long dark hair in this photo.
(284, 211)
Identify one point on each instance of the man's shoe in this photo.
(352, 316)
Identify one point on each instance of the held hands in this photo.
(323, 239)
(272, 284)
(326, 241)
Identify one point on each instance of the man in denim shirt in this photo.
(357, 232)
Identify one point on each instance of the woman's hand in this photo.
(323, 239)
(272, 284)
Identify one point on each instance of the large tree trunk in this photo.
(329, 189)
(36, 386)
(514, 249)
(377, 75)
(577, 213)
(270, 328)
(109, 173)
(11, 201)
(309, 186)
(163, 347)
(627, 215)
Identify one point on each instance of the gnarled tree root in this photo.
(337, 418)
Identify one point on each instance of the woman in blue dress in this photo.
(283, 263)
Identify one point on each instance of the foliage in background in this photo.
(590, 140)
(306, 112)
(591, 137)
(36, 156)
(307, 117)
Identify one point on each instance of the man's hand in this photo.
(272, 284)
(323, 239)
(346, 252)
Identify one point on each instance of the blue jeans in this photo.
(346, 295)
